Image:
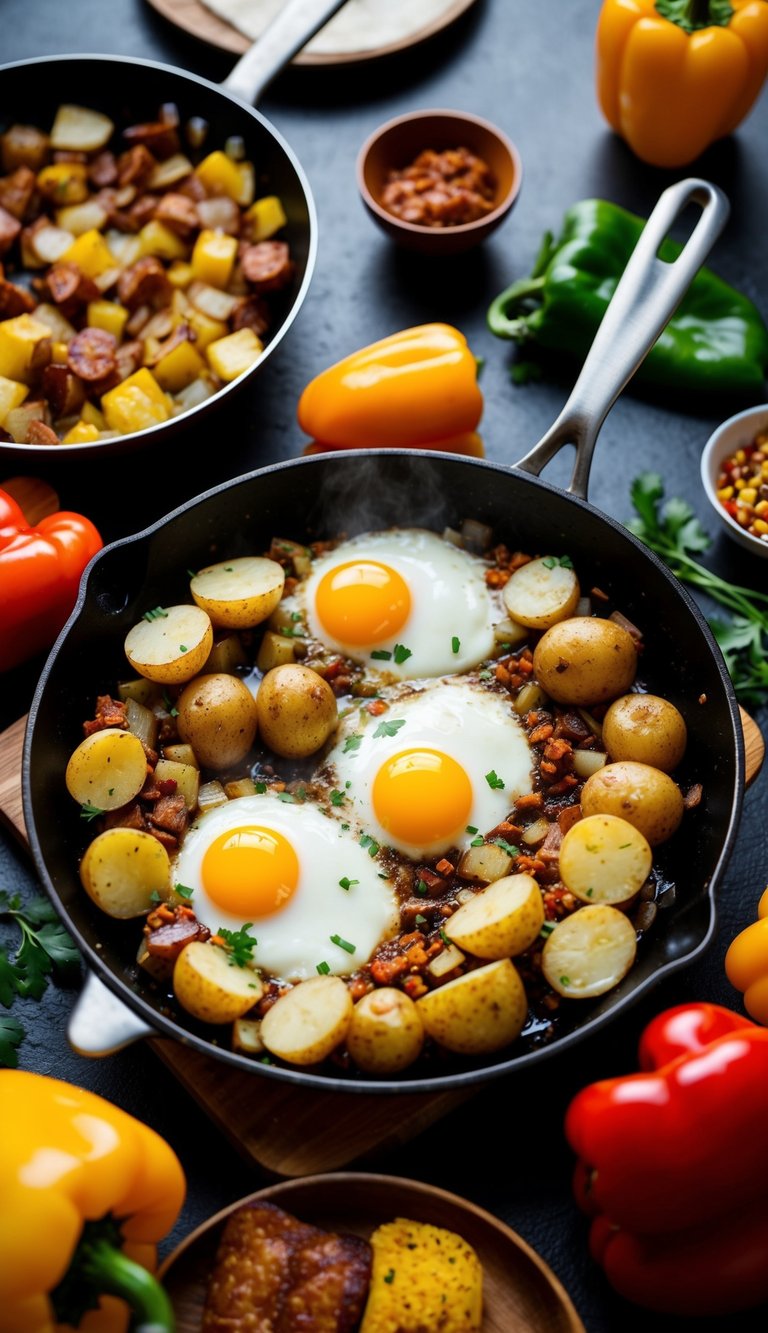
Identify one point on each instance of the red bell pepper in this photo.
(673, 1167)
(40, 572)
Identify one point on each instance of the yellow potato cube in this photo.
(265, 217)
(64, 182)
(25, 344)
(81, 433)
(136, 404)
(213, 257)
(157, 239)
(231, 356)
(59, 353)
(205, 328)
(108, 315)
(92, 416)
(180, 274)
(11, 395)
(91, 254)
(179, 367)
(220, 174)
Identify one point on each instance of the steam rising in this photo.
(368, 493)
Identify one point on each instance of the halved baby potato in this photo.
(541, 593)
(238, 594)
(604, 859)
(478, 1012)
(211, 987)
(589, 952)
(639, 793)
(309, 1021)
(80, 129)
(500, 921)
(386, 1033)
(107, 769)
(172, 645)
(122, 869)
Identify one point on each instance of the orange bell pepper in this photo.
(675, 75)
(746, 964)
(414, 390)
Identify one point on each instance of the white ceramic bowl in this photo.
(732, 435)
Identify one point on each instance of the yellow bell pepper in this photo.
(136, 403)
(265, 217)
(746, 964)
(12, 394)
(25, 347)
(86, 1192)
(220, 174)
(675, 75)
(231, 356)
(414, 390)
(213, 257)
(91, 254)
(108, 315)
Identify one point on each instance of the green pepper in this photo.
(716, 342)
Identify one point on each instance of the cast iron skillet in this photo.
(129, 91)
(353, 492)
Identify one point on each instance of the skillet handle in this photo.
(296, 22)
(644, 301)
(100, 1024)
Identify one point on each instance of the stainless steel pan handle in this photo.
(645, 299)
(288, 33)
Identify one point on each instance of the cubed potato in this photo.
(239, 593)
(91, 254)
(124, 246)
(210, 987)
(205, 329)
(83, 432)
(210, 795)
(25, 347)
(169, 172)
(309, 1021)
(212, 301)
(477, 1013)
(49, 244)
(64, 182)
(78, 218)
(12, 394)
(240, 787)
(213, 257)
(246, 1036)
(107, 315)
(180, 273)
(135, 404)
(59, 327)
(181, 754)
(80, 129)
(485, 863)
(265, 217)
(19, 420)
(186, 777)
(107, 769)
(144, 691)
(122, 869)
(179, 367)
(220, 175)
(386, 1033)
(274, 650)
(589, 952)
(231, 356)
(227, 655)
(170, 647)
(501, 921)
(157, 239)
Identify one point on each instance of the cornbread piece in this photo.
(273, 1274)
(425, 1280)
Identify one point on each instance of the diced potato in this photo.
(541, 593)
(232, 356)
(265, 217)
(80, 129)
(386, 1033)
(107, 315)
(246, 1036)
(91, 254)
(589, 952)
(210, 795)
(50, 243)
(59, 327)
(477, 1013)
(180, 273)
(94, 417)
(144, 691)
(205, 329)
(179, 367)
(135, 404)
(535, 832)
(83, 432)
(78, 218)
(424, 1278)
(309, 1021)
(485, 863)
(247, 190)
(122, 869)
(529, 698)
(167, 173)
(186, 777)
(64, 182)
(172, 647)
(220, 175)
(239, 593)
(157, 239)
(142, 722)
(213, 257)
(181, 754)
(12, 393)
(274, 650)
(500, 921)
(604, 859)
(107, 769)
(25, 346)
(212, 301)
(587, 762)
(241, 787)
(227, 655)
(210, 987)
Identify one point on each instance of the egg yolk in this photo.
(362, 602)
(422, 796)
(250, 872)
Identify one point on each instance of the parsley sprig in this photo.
(239, 944)
(45, 948)
(674, 533)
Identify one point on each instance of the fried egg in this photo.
(296, 877)
(403, 602)
(441, 765)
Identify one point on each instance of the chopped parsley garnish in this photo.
(169, 707)
(155, 898)
(240, 944)
(420, 920)
(261, 787)
(401, 654)
(389, 728)
(345, 828)
(323, 968)
(369, 844)
(287, 796)
(228, 569)
(494, 781)
(590, 891)
(564, 561)
(591, 849)
(295, 616)
(547, 928)
(352, 743)
(192, 573)
(183, 648)
(156, 613)
(347, 883)
(421, 887)
(89, 812)
(183, 891)
(455, 643)
(390, 1276)
(485, 675)
(337, 797)
(343, 944)
(471, 828)
(111, 791)
(381, 655)
(622, 845)
(565, 981)
(444, 937)
(478, 841)
(508, 847)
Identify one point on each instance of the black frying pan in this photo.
(129, 91)
(355, 491)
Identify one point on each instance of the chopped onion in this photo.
(446, 961)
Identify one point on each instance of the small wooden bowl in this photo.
(396, 144)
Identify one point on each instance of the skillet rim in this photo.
(141, 439)
(164, 1026)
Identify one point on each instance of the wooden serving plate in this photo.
(520, 1293)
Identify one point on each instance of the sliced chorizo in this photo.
(267, 265)
(144, 283)
(178, 212)
(161, 139)
(251, 312)
(10, 228)
(92, 354)
(142, 211)
(63, 390)
(39, 433)
(17, 191)
(135, 166)
(167, 941)
(14, 300)
(69, 286)
(102, 171)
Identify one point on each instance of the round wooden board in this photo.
(521, 1294)
(193, 17)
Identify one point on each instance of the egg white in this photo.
(450, 604)
(292, 941)
(475, 726)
